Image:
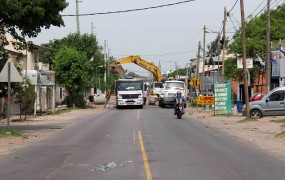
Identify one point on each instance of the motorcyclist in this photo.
(176, 101)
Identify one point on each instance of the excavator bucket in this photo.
(116, 69)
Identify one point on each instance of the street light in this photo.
(204, 51)
(176, 67)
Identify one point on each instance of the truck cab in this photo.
(169, 90)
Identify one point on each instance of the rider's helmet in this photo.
(178, 94)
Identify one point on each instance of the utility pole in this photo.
(108, 63)
(245, 80)
(224, 45)
(105, 60)
(77, 17)
(92, 28)
(204, 54)
(268, 64)
(198, 60)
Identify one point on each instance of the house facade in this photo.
(39, 74)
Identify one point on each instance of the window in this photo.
(277, 96)
(174, 85)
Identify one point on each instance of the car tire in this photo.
(255, 113)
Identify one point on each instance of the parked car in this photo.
(272, 104)
(256, 97)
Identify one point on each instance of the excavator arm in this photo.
(117, 68)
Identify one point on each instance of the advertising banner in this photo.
(222, 93)
(205, 100)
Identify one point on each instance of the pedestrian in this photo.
(107, 98)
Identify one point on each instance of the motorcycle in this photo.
(179, 108)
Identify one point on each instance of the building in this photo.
(40, 75)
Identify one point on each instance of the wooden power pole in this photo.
(224, 45)
(245, 80)
(268, 64)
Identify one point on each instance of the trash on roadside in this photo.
(124, 163)
(111, 165)
(104, 167)
(99, 168)
(190, 113)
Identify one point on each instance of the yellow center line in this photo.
(144, 156)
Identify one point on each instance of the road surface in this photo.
(136, 144)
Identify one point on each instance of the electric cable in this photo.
(255, 9)
(130, 10)
(233, 6)
(263, 9)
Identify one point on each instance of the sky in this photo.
(162, 35)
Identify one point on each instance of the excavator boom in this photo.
(116, 67)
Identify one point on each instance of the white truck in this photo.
(169, 90)
(129, 92)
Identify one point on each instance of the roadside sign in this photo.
(223, 98)
(15, 75)
(249, 63)
(195, 82)
(205, 100)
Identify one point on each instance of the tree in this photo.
(214, 47)
(88, 46)
(25, 94)
(22, 18)
(256, 33)
(71, 73)
(181, 72)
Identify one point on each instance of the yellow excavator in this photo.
(116, 68)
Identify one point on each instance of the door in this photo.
(275, 105)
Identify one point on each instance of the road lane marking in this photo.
(144, 156)
(134, 137)
(138, 115)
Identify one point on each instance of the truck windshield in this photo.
(174, 85)
(157, 85)
(129, 86)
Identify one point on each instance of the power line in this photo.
(130, 10)
(233, 6)
(271, 2)
(255, 9)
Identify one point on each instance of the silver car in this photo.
(272, 104)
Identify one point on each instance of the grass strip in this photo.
(278, 121)
(281, 135)
(8, 132)
(247, 120)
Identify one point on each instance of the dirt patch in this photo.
(261, 133)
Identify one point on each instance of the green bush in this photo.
(77, 99)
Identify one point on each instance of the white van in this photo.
(272, 104)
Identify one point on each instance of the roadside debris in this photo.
(104, 167)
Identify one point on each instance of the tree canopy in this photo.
(256, 33)
(28, 17)
(84, 44)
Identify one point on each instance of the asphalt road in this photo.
(136, 144)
